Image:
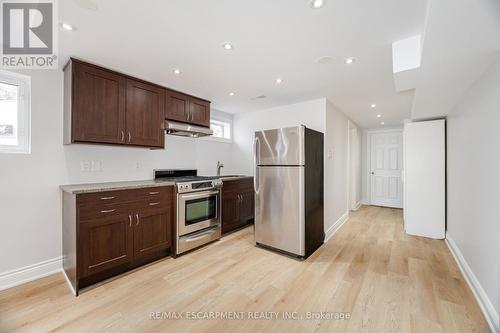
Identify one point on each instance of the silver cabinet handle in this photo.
(154, 203)
(137, 217)
(153, 193)
(107, 198)
(129, 137)
(108, 211)
(130, 220)
(122, 136)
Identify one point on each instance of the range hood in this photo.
(181, 129)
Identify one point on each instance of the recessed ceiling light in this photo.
(374, 105)
(279, 80)
(316, 4)
(379, 116)
(349, 60)
(231, 94)
(227, 46)
(67, 26)
(382, 123)
(176, 71)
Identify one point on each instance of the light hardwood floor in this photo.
(386, 280)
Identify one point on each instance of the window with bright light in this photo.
(221, 129)
(14, 113)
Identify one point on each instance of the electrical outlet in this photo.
(85, 166)
(96, 166)
(138, 166)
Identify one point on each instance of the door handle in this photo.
(372, 173)
(137, 219)
(129, 137)
(130, 220)
(122, 136)
(256, 143)
(200, 236)
(108, 211)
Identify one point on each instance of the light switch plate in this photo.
(330, 154)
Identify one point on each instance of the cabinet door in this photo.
(98, 109)
(230, 202)
(177, 106)
(105, 243)
(145, 114)
(152, 232)
(246, 206)
(199, 112)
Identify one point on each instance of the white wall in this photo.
(320, 115)
(365, 196)
(355, 159)
(336, 165)
(473, 193)
(30, 202)
(310, 114)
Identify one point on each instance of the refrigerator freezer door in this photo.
(279, 208)
(284, 146)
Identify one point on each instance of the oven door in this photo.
(197, 211)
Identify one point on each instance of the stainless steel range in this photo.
(198, 207)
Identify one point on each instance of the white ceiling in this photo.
(278, 38)
(462, 39)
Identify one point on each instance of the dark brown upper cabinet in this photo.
(145, 114)
(177, 106)
(98, 105)
(188, 109)
(104, 106)
(200, 112)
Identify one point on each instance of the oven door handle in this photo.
(198, 195)
(201, 235)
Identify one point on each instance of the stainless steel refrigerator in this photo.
(289, 190)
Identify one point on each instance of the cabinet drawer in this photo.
(245, 185)
(123, 202)
(92, 212)
(152, 194)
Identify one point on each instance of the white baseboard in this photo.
(29, 273)
(478, 291)
(358, 204)
(68, 282)
(336, 226)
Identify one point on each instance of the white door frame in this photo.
(369, 157)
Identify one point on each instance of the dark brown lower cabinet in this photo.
(152, 233)
(105, 243)
(237, 203)
(108, 233)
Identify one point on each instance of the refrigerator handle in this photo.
(256, 144)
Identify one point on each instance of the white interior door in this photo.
(386, 169)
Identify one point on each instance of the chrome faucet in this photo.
(219, 166)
